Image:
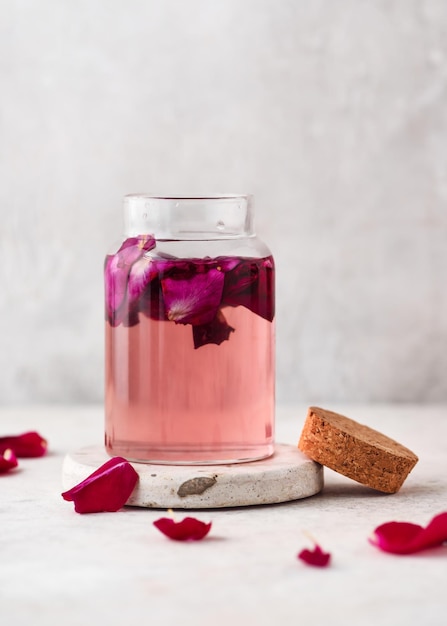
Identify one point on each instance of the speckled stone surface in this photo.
(287, 475)
(62, 568)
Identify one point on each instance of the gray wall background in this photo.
(332, 112)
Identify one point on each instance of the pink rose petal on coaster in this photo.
(8, 461)
(28, 445)
(107, 489)
(315, 557)
(189, 529)
(407, 538)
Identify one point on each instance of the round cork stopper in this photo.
(355, 450)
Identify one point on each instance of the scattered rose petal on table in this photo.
(407, 538)
(315, 557)
(107, 489)
(28, 445)
(8, 461)
(188, 529)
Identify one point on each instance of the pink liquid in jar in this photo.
(190, 364)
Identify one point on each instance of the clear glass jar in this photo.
(190, 363)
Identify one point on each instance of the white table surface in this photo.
(59, 567)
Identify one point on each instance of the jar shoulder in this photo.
(237, 247)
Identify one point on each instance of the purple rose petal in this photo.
(140, 275)
(116, 272)
(194, 300)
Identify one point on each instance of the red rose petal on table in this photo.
(407, 538)
(107, 489)
(189, 529)
(8, 461)
(315, 557)
(28, 445)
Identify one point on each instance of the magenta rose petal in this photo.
(8, 461)
(188, 529)
(407, 538)
(216, 331)
(27, 445)
(107, 489)
(140, 275)
(194, 300)
(315, 557)
(116, 272)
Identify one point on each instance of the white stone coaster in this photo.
(287, 475)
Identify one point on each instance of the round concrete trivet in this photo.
(287, 475)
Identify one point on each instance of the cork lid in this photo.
(355, 450)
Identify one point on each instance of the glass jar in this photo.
(190, 363)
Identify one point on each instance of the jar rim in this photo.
(191, 217)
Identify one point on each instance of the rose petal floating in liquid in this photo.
(407, 538)
(107, 489)
(140, 275)
(116, 271)
(216, 331)
(28, 445)
(251, 284)
(188, 529)
(194, 300)
(315, 557)
(8, 461)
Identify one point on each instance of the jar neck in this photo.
(213, 217)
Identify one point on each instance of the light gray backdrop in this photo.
(332, 112)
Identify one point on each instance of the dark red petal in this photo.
(216, 331)
(407, 538)
(251, 284)
(8, 461)
(194, 300)
(226, 263)
(189, 529)
(28, 445)
(315, 557)
(107, 489)
(151, 302)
